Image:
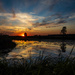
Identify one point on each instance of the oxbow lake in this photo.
(26, 49)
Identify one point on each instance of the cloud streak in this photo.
(54, 20)
(13, 12)
(45, 4)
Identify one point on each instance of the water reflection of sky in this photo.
(25, 49)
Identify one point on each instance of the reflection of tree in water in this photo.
(63, 46)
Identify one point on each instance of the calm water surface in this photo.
(25, 49)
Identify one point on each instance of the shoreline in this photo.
(6, 43)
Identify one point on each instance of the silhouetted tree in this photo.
(63, 31)
(25, 34)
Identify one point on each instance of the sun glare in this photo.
(22, 35)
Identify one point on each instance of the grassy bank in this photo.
(40, 66)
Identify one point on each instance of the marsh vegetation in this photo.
(40, 66)
(34, 58)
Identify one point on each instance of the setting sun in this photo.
(22, 34)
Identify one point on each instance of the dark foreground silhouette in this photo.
(40, 66)
(6, 44)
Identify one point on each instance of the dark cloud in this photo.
(49, 25)
(29, 28)
(13, 12)
(37, 24)
(53, 26)
(54, 20)
(58, 18)
(61, 22)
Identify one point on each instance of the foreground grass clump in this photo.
(39, 66)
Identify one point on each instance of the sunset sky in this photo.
(36, 17)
